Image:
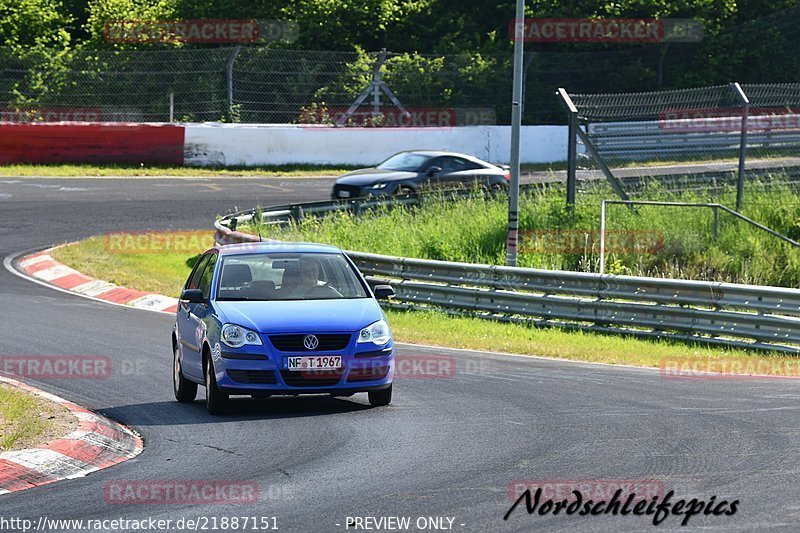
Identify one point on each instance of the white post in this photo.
(516, 122)
(602, 235)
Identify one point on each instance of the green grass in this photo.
(165, 271)
(651, 241)
(26, 419)
(151, 261)
(89, 170)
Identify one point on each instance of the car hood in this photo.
(302, 316)
(367, 176)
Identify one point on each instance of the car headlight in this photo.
(379, 185)
(237, 336)
(377, 333)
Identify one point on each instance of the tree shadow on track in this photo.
(172, 413)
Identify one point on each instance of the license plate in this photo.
(344, 194)
(321, 362)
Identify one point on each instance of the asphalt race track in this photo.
(447, 447)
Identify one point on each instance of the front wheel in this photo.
(216, 400)
(379, 398)
(185, 390)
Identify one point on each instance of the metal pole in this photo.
(745, 101)
(230, 79)
(572, 144)
(376, 84)
(602, 235)
(572, 159)
(716, 223)
(172, 107)
(516, 123)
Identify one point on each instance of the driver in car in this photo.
(307, 285)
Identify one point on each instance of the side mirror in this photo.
(193, 296)
(434, 171)
(382, 292)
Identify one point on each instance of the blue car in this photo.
(264, 319)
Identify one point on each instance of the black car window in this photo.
(452, 164)
(194, 277)
(208, 274)
(471, 165)
(404, 161)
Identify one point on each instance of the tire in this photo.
(379, 398)
(216, 400)
(185, 390)
(403, 191)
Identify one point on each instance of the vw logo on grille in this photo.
(310, 342)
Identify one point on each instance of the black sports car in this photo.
(410, 172)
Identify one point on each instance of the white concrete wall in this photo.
(256, 144)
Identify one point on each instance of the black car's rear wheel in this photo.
(185, 390)
(216, 400)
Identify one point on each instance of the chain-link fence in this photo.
(702, 138)
(241, 84)
(266, 85)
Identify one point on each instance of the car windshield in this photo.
(287, 276)
(405, 161)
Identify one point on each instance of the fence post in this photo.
(230, 79)
(745, 101)
(572, 145)
(171, 107)
(602, 235)
(716, 223)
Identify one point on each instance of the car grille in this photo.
(368, 374)
(254, 377)
(312, 378)
(354, 190)
(294, 343)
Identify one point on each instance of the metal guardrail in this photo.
(653, 139)
(707, 312)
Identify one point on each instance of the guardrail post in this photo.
(745, 101)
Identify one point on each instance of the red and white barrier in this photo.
(214, 144)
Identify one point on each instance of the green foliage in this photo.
(649, 241)
(102, 12)
(27, 25)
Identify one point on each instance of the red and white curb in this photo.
(43, 267)
(95, 444)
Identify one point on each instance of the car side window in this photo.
(208, 275)
(194, 277)
(452, 164)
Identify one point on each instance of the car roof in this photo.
(275, 246)
(439, 153)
